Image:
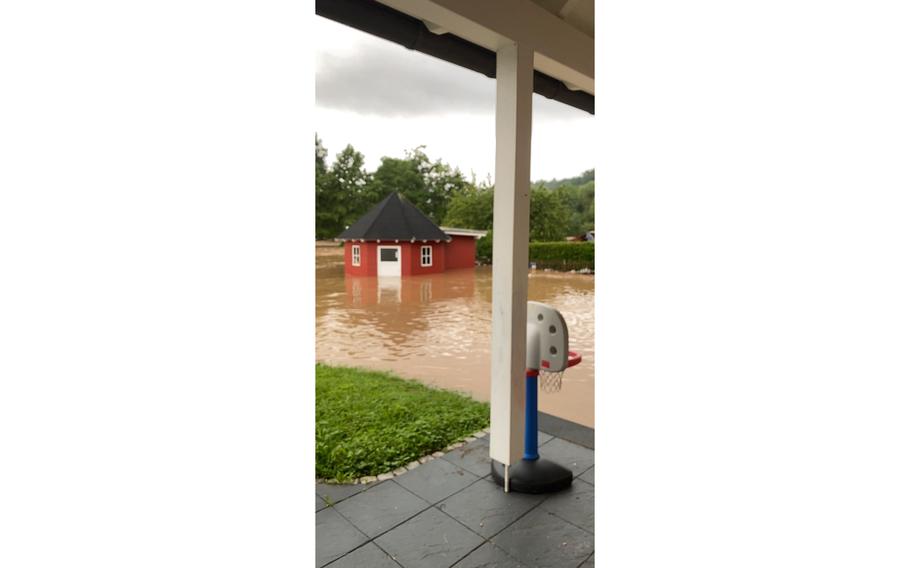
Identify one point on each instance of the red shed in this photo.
(394, 238)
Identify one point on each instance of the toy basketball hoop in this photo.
(548, 357)
(547, 351)
(551, 381)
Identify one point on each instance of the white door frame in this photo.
(379, 261)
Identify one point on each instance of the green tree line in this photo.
(345, 190)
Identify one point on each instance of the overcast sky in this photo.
(383, 99)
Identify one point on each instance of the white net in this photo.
(550, 381)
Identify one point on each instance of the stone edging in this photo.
(413, 465)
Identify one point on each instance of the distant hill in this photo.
(576, 193)
(585, 177)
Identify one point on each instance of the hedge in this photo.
(583, 251)
(560, 255)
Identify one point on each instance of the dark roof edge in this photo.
(382, 21)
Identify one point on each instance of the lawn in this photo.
(369, 422)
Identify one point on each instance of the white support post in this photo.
(511, 209)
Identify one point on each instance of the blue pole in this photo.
(531, 416)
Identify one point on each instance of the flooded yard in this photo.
(436, 328)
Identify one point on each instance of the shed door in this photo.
(389, 261)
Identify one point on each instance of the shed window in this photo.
(426, 256)
(355, 255)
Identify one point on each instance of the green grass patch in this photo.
(369, 422)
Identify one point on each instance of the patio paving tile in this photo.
(540, 538)
(474, 457)
(429, 540)
(567, 454)
(335, 536)
(380, 507)
(543, 438)
(436, 480)
(338, 493)
(575, 504)
(486, 509)
(588, 476)
(367, 556)
(320, 502)
(489, 556)
(589, 563)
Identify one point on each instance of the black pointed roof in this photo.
(394, 218)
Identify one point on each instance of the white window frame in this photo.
(355, 255)
(429, 255)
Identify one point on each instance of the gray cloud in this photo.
(389, 80)
(384, 79)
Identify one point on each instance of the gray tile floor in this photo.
(449, 513)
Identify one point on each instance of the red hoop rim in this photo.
(574, 359)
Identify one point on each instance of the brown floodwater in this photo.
(436, 328)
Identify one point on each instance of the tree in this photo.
(580, 202)
(352, 183)
(328, 206)
(442, 183)
(345, 191)
(471, 209)
(342, 195)
(585, 177)
(402, 176)
(428, 185)
(321, 153)
(549, 216)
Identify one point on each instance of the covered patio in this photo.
(528, 46)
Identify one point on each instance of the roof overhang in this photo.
(561, 50)
(468, 33)
(453, 232)
(396, 241)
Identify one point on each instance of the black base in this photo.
(538, 476)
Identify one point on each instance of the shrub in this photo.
(554, 255)
(562, 255)
(485, 248)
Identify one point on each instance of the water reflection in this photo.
(436, 327)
